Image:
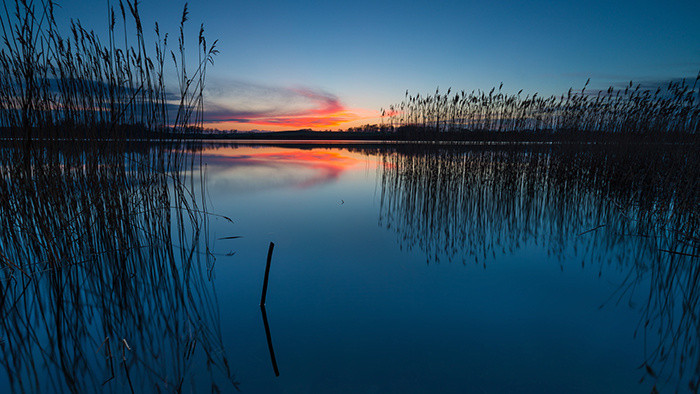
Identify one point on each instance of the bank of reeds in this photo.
(671, 112)
(105, 266)
(64, 81)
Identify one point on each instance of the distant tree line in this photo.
(369, 128)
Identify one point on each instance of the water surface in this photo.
(411, 268)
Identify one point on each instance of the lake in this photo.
(405, 268)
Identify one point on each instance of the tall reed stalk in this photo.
(54, 84)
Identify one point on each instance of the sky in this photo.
(287, 65)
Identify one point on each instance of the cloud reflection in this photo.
(273, 168)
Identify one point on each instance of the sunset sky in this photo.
(331, 65)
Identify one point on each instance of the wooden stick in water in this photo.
(267, 274)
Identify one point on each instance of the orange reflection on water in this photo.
(274, 166)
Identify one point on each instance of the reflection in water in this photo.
(264, 313)
(105, 278)
(105, 266)
(446, 201)
(633, 209)
(274, 167)
(269, 340)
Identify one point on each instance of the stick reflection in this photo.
(269, 340)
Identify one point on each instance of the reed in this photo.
(672, 113)
(58, 85)
(105, 265)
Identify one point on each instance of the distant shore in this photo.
(464, 136)
(399, 135)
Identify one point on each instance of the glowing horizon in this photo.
(333, 121)
(247, 106)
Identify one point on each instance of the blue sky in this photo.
(282, 60)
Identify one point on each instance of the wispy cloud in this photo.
(243, 105)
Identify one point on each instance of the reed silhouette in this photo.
(105, 271)
(670, 113)
(105, 265)
(59, 85)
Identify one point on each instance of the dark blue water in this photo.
(408, 269)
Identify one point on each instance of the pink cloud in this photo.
(247, 106)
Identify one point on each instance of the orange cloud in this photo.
(276, 108)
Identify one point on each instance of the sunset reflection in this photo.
(274, 167)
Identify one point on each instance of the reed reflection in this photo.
(632, 209)
(105, 280)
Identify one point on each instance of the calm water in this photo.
(400, 268)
